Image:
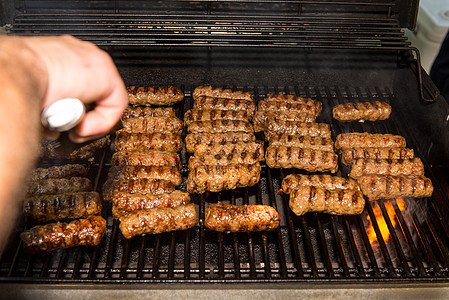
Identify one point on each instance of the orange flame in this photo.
(383, 228)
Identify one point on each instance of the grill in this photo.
(332, 51)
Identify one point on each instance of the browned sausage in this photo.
(246, 158)
(220, 126)
(204, 102)
(152, 124)
(127, 141)
(124, 202)
(81, 232)
(219, 178)
(46, 208)
(266, 105)
(327, 182)
(147, 158)
(60, 186)
(303, 141)
(388, 186)
(168, 173)
(154, 95)
(194, 139)
(141, 185)
(241, 218)
(135, 112)
(262, 117)
(64, 171)
(301, 158)
(413, 166)
(220, 93)
(314, 199)
(297, 128)
(362, 111)
(193, 115)
(157, 220)
(230, 148)
(368, 140)
(348, 156)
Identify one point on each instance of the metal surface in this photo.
(311, 248)
(332, 51)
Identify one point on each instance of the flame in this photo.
(381, 222)
(401, 204)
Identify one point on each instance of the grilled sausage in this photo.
(81, 232)
(154, 95)
(301, 158)
(133, 186)
(315, 199)
(241, 218)
(327, 182)
(220, 93)
(59, 186)
(220, 126)
(246, 158)
(64, 171)
(368, 140)
(298, 128)
(262, 117)
(126, 202)
(168, 173)
(348, 156)
(230, 148)
(86, 152)
(204, 102)
(266, 105)
(304, 141)
(157, 220)
(412, 166)
(126, 141)
(152, 124)
(138, 111)
(193, 115)
(388, 186)
(46, 208)
(219, 178)
(292, 99)
(209, 139)
(147, 158)
(362, 111)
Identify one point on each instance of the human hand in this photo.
(79, 69)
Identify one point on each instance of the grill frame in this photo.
(312, 262)
(329, 248)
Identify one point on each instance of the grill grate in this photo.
(399, 240)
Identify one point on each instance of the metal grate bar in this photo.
(397, 245)
(171, 257)
(433, 261)
(60, 270)
(141, 259)
(235, 246)
(338, 243)
(125, 259)
(156, 257)
(309, 247)
(410, 242)
(354, 249)
(368, 247)
(324, 246)
(187, 255)
(291, 229)
(380, 239)
(202, 259)
(112, 243)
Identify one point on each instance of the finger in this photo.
(104, 116)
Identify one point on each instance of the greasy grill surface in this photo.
(400, 240)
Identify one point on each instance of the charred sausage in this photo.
(127, 141)
(158, 220)
(327, 182)
(241, 218)
(46, 208)
(315, 199)
(362, 111)
(81, 232)
(154, 95)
